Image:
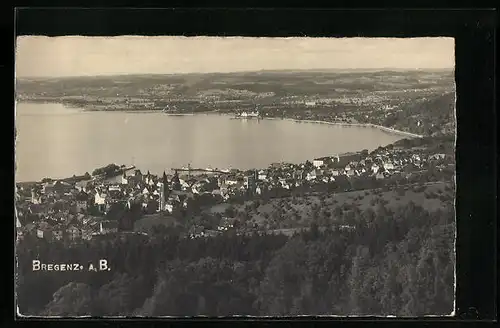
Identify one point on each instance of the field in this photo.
(278, 84)
(297, 212)
(149, 221)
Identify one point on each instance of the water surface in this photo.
(56, 141)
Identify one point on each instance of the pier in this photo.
(196, 170)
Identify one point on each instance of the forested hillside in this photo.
(396, 261)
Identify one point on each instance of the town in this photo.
(419, 102)
(82, 209)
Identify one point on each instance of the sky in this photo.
(40, 56)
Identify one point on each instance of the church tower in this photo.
(164, 192)
(176, 183)
(34, 196)
(124, 178)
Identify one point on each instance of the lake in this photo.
(57, 142)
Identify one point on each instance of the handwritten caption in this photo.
(102, 265)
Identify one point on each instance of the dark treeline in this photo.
(436, 115)
(397, 262)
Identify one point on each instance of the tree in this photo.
(390, 293)
(106, 170)
(401, 263)
(119, 296)
(163, 300)
(314, 230)
(230, 211)
(152, 207)
(116, 211)
(73, 299)
(256, 205)
(282, 279)
(355, 281)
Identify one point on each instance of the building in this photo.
(108, 227)
(124, 178)
(437, 156)
(43, 233)
(226, 223)
(57, 234)
(82, 201)
(250, 182)
(388, 166)
(100, 199)
(56, 187)
(298, 174)
(318, 162)
(258, 190)
(35, 197)
(311, 175)
(87, 234)
(262, 175)
(231, 181)
(169, 207)
(380, 175)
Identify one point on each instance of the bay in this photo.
(57, 142)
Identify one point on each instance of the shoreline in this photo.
(367, 125)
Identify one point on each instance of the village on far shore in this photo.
(115, 199)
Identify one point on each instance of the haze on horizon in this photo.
(40, 56)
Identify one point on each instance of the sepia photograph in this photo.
(174, 176)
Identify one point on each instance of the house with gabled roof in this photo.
(311, 175)
(108, 226)
(58, 232)
(125, 179)
(380, 175)
(437, 156)
(262, 175)
(100, 197)
(89, 233)
(82, 199)
(388, 166)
